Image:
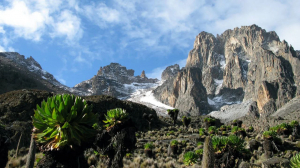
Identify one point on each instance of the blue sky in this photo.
(73, 39)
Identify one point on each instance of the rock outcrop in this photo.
(185, 92)
(170, 72)
(112, 80)
(244, 64)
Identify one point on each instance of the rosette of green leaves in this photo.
(212, 129)
(114, 116)
(174, 142)
(201, 131)
(190, 158)
(63, 120)
(294, 123)
(295, 161)
(148, 146)
(269, 134)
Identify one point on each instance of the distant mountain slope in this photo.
(115, 80)
(16, 73)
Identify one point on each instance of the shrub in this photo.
(236, 143)
(199, 151)
(269, 134)
(294, 123)
(212, 129)
(190, 158)
(223, 128)
(128, 155)
(199, 143)
(201, 131)
(235, 129)
(295, 161)
(64, 120)
(186, 121)
(209, 120)
(173, 114)
(148, 146)
(114, 116)
(174, 142)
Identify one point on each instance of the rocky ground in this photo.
(16, 108)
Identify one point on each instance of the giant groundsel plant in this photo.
(63, 120)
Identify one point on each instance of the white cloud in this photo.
(33, 19)
(101, 14)
(67, 25)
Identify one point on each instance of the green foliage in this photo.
(295, 161)
(269, 134)
(128, 155)
(96, 153)
(235, 129)
(174, 142)
(199, 143)
(148, 146)
(223, 127)
(208, 119)
(190, 158)
(234, 121)
(173, 114)
(201, 131)
(114, 116)
(212, 129)
(219, 143)
(294, 123)
(236, 143)
(223, 143)
(199, 151)
(64, 120)
(183, 142)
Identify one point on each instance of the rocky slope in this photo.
(243, 64)
(16, 72)
(115, 80)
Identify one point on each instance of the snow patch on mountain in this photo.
(143, 95)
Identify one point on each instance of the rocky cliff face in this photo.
(184, 92)
(246, 63)
(114, 80)
(170, 72)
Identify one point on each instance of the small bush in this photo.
(190, 158)
(148, 146)
(199, 152)
(174, 142)
(201, 131)
(199, 143)
(208, 119)
(294, 123)
(212, 129)
(269, 134)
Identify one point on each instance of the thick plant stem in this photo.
(31, 154)
(17, 150)
(208, 158)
